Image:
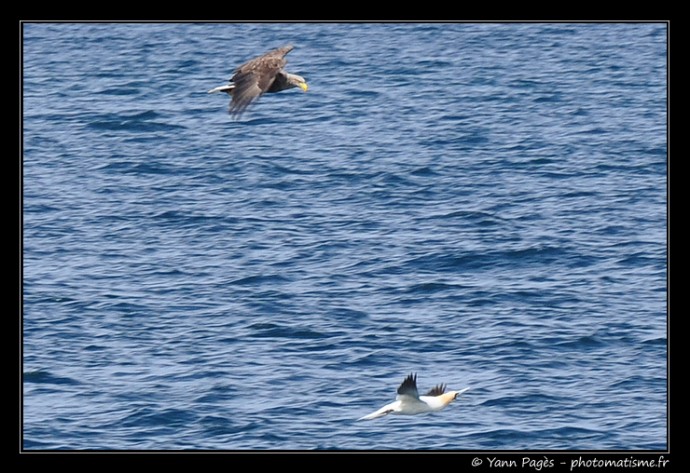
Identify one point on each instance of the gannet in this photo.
(409, 402)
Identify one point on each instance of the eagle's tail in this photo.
(223, 88)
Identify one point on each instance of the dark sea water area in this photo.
(482, 204)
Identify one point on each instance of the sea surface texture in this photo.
(482, 204)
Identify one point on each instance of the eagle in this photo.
(260, 75)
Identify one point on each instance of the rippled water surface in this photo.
(483, 204)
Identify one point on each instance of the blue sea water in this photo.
(483, 204)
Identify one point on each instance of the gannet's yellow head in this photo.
(447, 398)
(450, 396)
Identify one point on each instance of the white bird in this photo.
(409, 402)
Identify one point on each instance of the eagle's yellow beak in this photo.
(303, 86)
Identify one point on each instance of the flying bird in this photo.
(409, 402)
(258, 76)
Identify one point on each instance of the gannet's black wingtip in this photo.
(409, 386)
(437, 390)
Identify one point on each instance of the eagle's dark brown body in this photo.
(258, 76)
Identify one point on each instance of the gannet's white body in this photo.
(409, 402)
